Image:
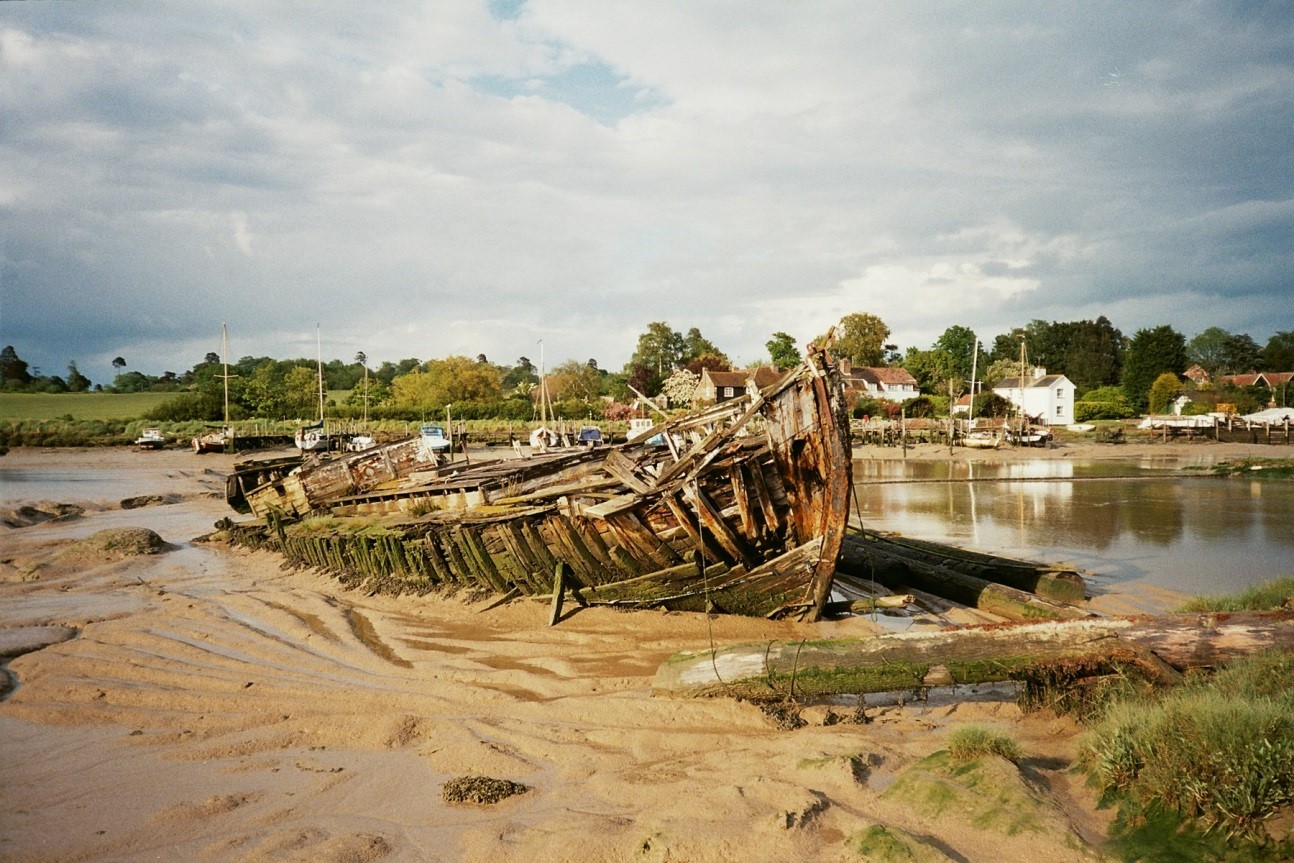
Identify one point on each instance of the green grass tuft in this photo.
(969, 742)
(1220, 752)
(1268, 596)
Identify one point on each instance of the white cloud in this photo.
(438, 182)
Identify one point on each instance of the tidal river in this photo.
(1127, 522)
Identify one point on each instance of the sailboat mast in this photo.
(224, 354)
(1022, 413)
(543, 390)
(319, 356)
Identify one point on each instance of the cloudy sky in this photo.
(435, 178)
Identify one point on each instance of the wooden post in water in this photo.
(903, 428)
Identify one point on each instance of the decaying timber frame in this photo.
(743, 510)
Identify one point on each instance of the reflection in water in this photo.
(1130, 521)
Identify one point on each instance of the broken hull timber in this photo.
(747, 517)
(296, 486)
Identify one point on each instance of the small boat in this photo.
(982, 439)
(213, 441)
(313, 438)
(151, 439)
(589, 437)
(1032, 436)
(543, 439)
(432, 438)
(1080, 427)
(360, 442)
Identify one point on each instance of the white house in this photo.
(1046, 399)
(879, 382)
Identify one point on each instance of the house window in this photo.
(1060, 411)
(727, 392)
(1060, 393)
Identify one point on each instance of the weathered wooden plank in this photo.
(974, 654)
(711, 520)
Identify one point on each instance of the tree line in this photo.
(1113, 372)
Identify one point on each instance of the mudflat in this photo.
(212, 706)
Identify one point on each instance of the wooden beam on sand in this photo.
(869, 558)
(1159, 646)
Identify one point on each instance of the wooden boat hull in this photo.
(748, 518)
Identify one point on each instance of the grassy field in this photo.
(92, 406)
(80, 406)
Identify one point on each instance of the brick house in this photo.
(721, 386)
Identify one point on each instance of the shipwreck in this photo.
(741, 508)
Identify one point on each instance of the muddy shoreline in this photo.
(216, 707)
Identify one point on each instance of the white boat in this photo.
(312, 438)
(432, 438)
(360, 442)
(1029, 437)
(1080, 427)
(151, 439)
(982, 439)
(543, 439)
(213, 441)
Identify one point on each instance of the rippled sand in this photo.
(214, 707)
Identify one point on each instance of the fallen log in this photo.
(869, 557)
(1161, 647)
(1052, 583)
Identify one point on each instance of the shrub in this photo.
(1221, 751)
(969, 742)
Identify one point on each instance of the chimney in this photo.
(846, 366)
(1039, 372)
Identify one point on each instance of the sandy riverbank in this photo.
(214, 707)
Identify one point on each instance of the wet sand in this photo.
(215, 707)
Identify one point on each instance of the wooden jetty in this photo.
(743, 510)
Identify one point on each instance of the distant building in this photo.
(1197, 374)
(1045, 399)
(1277, 382)
(879, 382)
(721, 386)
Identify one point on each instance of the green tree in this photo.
(1093, 356)
(1151, 352)
(1219, 352)
(1278, 354)
(1162, 392)
(697, 346)
(1209, 350)
(932, 369)
(960, 344)
(574, 381)
(76, 382)
(442, 382)
(782, 351)
(861, 337)
(13, 370)
(660, 350)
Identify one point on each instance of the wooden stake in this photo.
(559, 594)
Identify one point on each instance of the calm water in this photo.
(1123, 521)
